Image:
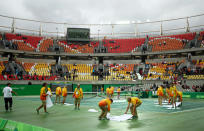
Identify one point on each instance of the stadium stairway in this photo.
(53, 69)
(20, 68)
(64, 69)
(2, 44)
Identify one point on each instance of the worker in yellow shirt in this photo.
(168, 93)
(160, 94)
(118, 91)
(43, 94)
(104, 105)
(111, 92)
(102, 90)
(58, 94)
(78, 95)
(180, 95)
(133, 103)
(64, 94)
(173, 95)
(107, 92)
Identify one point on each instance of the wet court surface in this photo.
(189, 117)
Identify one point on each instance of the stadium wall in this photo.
(9, 125)
(24, 90)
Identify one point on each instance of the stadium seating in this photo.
(171, 42)
(120, 72)
(67, 49)
(165, 44)
(199, 70)
(23, 46)
(187, 36)
(0, 37)
(46, 43)
(161, 71)
(2, 67)
(123, 45)
(78, 48)
(27, 66)
(202, 33)
(82, 71)
(40, 69)
(32, 40)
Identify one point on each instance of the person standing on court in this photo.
(58, 94)
(78, 95)
(64, 94)
(43, 94)
(118, 91)
(7, 91)
(107, 92)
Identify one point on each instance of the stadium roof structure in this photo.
(109, 30)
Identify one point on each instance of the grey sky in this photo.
(101, 11)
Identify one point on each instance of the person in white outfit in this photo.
(7, 91)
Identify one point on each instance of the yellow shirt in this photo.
(107, 90)
(160, 91)
(58, 91)
(135, 100)
(43, 93)
(105, 102)
(167, 90)
(78, 93)
(173, 90)
(118, 90)
(64, 91)
(180, 94)
(111, 91)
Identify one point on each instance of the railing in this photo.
(120, 29)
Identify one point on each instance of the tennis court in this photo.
(62, 118)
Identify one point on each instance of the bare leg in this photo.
(78, 105)
(75, 104)
(64, 99)
(45, 109)
(105, 113)
(172, 101)
(160, 99)
(136, 112)
(102, 112)
(131, 109)
(118, 95)
(59, 99)
(39, 107)
(56, 99)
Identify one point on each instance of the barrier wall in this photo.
(23, 90)
(8, 125)
(117, 85)
(199, 95)
(85, 88)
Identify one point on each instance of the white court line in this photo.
(187, 110)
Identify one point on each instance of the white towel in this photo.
(92, 110)
(67, 104)
(48, 100)
(123, 117)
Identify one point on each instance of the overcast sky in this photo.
(101, 11)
